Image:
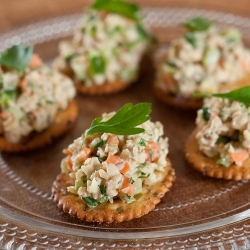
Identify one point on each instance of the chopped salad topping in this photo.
(107, 166)
(31, 94)
(107, 45)
(204, 60)
(224, 129)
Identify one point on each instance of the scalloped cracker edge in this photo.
(64, 120)
(118, 211)
(209, 166)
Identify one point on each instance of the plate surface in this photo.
(198, 212)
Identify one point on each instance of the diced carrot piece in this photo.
(244, 65)
(152, 149)
(113, 159)
(35, 61)
(69, 162)
(126, 187)
(84, 154)
(125, 182)
(239, 156)
(22, 85)
(113, 140)
(67, 151)
(125, 168)
(169, 80)
(4, 114)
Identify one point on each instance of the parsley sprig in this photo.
(17, 57)
(124, 122)
(240, 95)
(120, 7)
(198, 24)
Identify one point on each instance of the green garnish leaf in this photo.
(240, 95)
(206, 114)
(171, 63)
(91, 202)
(69, 57)
(17, 57)
(119, 7)
(198, 24)
(124, 122)
(223, 161)
(190, 37)
(141, 165)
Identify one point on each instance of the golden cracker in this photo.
(192, 103)
(209, 166)
(118, 211)
(64, 120)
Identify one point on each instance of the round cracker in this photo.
(104, 89)
(209, 166)
(194, 103)
(64, 120)
(118, 211)
(179, 101)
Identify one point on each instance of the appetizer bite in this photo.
(220, 145)
(117, 170)
(205, 60)
(107, 48)
(36, 102)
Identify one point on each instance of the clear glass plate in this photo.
(198, 212)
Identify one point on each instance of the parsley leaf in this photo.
(198, 24)
(17, 57)
(190, 37)
(240, 95)
(104, 196)
(119, 7)
(124, 122)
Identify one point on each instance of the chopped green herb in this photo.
(142, 142)
(104, 196)
(223, 161)
(141, 165)
(190, 37)
(240, 95)
(84, 179)
(206, 114)
(69, 58)
(91, 202)
(127, 197)
(143, 175)
(100, 143)
(17, 57)
(49, 102)
(103, 189)
(150, 151)
(124, 122)
(93, 31)
(138, 196)
(171, 63)
(131, 180)
(119, 7)
(78, 184)
(142, 31)
(6, 96)
(97, 64)
(1, 82)
(223, 139)
(198, 24)
(102, 159)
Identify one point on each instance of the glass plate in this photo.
(198, 213)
